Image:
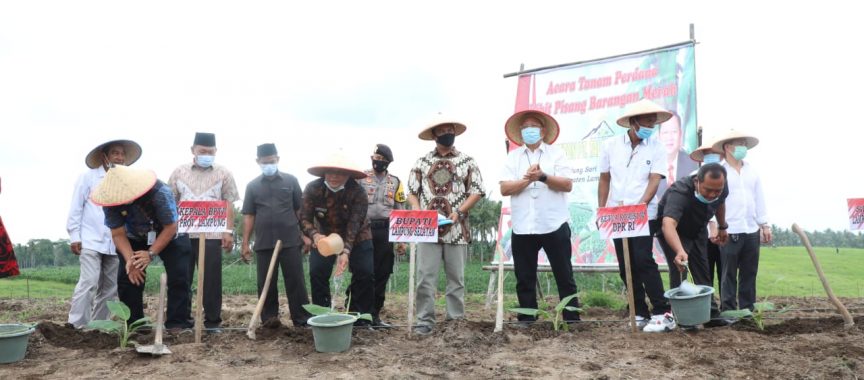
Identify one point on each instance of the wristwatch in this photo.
(543, 178)
(722, 226)
(151, 253)
(460, 213)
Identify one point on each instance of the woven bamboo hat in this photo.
(426, 133)
(337, 161)
(94, 158)
(513, 126)
(749, 140)
(123, 185)
(643, 107)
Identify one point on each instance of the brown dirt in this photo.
(803, 344)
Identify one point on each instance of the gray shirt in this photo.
(274, 202)
(385, 194)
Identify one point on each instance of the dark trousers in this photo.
(175, 256)
(697, 262)
(362, 288)
(212, 297)
(740, 264)
(290, 260)
(558, 250)
(384, 259)
(715, 265)
(645, 273)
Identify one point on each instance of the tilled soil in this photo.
(808, 342)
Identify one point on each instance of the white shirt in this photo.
(630, 169)
(537, 209)
(86, 222)
(745, 206)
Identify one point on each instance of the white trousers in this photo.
(97, 285)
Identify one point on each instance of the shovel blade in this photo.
(156, 349)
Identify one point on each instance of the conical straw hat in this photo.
(698, 155)
(123, 185)
(337, 161)
(426, 133)
(644, 107)
(749, 140)
(513, 126)
(133, 153)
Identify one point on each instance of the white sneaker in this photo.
(641, 322)
(661, 323)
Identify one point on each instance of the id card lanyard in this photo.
(151, 236)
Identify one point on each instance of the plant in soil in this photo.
(558, 322)
(321, 310)
(757, 315)
(119, 323)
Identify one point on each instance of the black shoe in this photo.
(379, 324)
(523, 324)
(720, 322)
(423, 330)
(362, 323)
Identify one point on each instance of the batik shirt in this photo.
(342, 212)
(190, 182)
(444, 183)
(151, 212)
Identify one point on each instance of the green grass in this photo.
(785, 271)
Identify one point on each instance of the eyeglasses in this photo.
(632, 153)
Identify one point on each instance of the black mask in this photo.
(446, 139)
(380, 166)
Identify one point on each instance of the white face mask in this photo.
(334, 189)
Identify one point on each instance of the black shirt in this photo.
(679, 202)
(274, 202)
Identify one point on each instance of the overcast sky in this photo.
(317, 76)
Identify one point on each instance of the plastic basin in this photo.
(332, 332)
(13, 342)
(691, 310)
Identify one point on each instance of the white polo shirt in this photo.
(537, 209)
(745, 206)
(630, 168)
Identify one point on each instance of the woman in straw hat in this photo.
(336, 203)
(535, 179)
(141, 212)
(747, 217)
(632, 166)
(90, 239)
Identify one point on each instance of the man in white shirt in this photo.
(632, 166)
(90, 239)
(748, 223)
(538, 181)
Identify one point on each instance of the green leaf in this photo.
(736, 313)
(119, 309)
(140, 324)
(316, 310)
(365, 316)
(572, 308)
(106, 326)
(763, 306)
(525, 311)
(564, 302)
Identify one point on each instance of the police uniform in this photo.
(385, 194)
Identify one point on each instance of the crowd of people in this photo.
(711, 218)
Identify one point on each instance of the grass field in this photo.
(785, 271)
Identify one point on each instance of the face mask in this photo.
(334, 189)
(446, 139)
(380, 165)
(740, 152)
(204, 161)
(269, 169)
(644, 133)
(711, 158)
(703, 199)
(531, 135)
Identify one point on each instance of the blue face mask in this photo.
(740, 152)
(644, 133)
(204, 161)
(269, 169)
(703, 199)
(531, 135)
(711, 158)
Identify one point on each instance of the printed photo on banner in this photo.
(202, 216)
(414, 226)
(856, 213)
